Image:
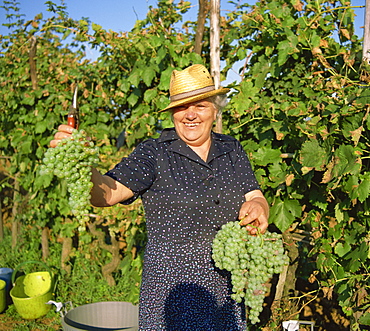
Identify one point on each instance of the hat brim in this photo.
(198, 97)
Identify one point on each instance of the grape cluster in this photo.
(251, 260)
(72, 160)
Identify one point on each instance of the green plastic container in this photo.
(31, 292)
(6, 274)
(2, 295)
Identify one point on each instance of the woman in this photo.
(191, 181)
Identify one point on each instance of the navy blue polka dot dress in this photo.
(186, 200)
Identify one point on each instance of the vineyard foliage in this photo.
(300, 109)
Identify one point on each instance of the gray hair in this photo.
(219, 101)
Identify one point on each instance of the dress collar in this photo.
(220, 145)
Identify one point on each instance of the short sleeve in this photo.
(244, 168)
(137, 171)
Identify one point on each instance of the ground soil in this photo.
(326, 314)
(312, 306)
(10, 323)
(327, 317)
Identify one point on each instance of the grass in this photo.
(85, 284)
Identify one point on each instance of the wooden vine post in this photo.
(202, 15)
(1, 223)
(366, 47)
(15, 209)
(215, 52)
(32, 61)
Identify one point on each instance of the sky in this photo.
(117, 15)
(121, 15)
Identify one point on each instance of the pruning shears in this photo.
(73, 114)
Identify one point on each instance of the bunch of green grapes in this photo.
(251, 260)
(72, 160)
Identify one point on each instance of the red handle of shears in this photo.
(73, 118)
(72, 121)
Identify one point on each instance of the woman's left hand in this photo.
(253, 213)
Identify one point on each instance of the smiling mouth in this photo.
(191, 125)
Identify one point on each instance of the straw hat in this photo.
(192, 84)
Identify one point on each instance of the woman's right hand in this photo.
(64, 131)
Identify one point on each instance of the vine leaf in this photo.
(363, 190)
(148, 76)
(342, 248)
(365, 319)
(283, 213)
(265, 155)
(346, 161)
(313, 155)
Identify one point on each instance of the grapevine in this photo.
(72, 160)
(251, 260)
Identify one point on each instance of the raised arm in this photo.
(106, 191)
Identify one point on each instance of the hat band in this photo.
(191, 93)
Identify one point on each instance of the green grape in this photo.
(72, 160)
(251, 260)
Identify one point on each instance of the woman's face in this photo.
(194, 121)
